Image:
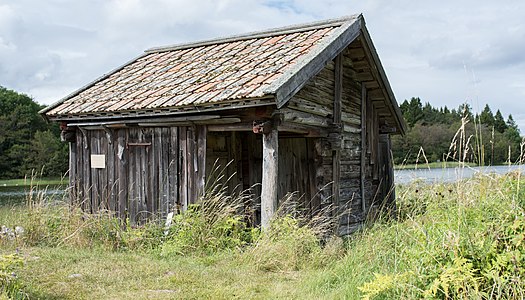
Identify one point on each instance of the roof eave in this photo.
(401, 124)
(267, 100)
(296, 77)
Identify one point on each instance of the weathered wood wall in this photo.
(147, 170)
(237, 158)
(344, 157)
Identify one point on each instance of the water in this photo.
(13, 195)
(442, 175)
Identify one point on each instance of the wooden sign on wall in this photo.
(98, 161)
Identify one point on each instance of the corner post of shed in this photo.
(270, 167)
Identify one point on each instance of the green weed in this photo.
(10, 285)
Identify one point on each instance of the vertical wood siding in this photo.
(149, 171)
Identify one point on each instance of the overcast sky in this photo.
(445, 52)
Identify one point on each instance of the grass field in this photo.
(449, 241)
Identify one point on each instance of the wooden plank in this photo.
(200, 160)
(100, 172)
(336, 154)
(191, 164)
(103, 175)
(139, 187)
(245, 126)
(237, 158)
(299, 117)
(313, 164)
(92, 138)
(151, 199)
(183, 174)
(111, 164)
(310, 107)
(250, 144)
(80, 170)
(122, 171)
(73, 195)
(153, 173)
(132, 177)
(306, 130)
(164, 168)
(139, 144)
(207, 122)
(338, 89)
(173, 178)
(148, 120)
(139, 177)
(351, 119)
(286, 163)
(363, 146)
(316, 94)
(375, 146)
(269, 201)
(161, 143)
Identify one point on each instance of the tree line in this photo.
(27, 141)
(443, 134)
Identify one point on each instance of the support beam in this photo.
(269, 199)
(363, 145)
(200, 159)
(336, 152)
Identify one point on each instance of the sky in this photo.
(444, 52)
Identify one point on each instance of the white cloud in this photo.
(49, 48)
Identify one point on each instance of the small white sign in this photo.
(98, 161)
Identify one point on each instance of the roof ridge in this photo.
(258, 34)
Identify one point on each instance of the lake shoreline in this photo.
(450, 174)
(433, 165)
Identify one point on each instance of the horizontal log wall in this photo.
(313, 106)
(350, 194)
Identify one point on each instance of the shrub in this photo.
(467, 244)
(215, 223)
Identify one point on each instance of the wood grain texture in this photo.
(270, 185)
(363, 147)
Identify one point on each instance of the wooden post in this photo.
(122, 173)
(336, 152)
(200, 159)
(363, 144)
(269, 176)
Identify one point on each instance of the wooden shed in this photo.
(304, 109)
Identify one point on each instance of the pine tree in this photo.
(499, 123)
(486, 117)
(412, 111)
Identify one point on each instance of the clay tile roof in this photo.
(218, 72)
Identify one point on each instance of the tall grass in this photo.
(462, 240)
